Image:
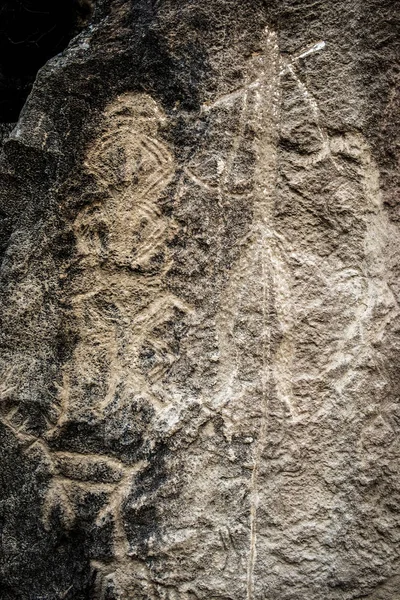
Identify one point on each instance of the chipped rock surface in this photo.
(200, 319)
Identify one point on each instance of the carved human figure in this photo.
(122, 310)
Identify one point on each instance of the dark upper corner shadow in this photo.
(32, 32)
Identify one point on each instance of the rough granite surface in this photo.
(199, 297)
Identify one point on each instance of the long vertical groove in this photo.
(265, 116)
(265, 376)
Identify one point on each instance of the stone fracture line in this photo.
(237, 282)
(266, 357)
(263, 94)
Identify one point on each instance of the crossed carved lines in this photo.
(265, 245)
(256, 82)
(72, 473)
(134, 168)
(75, 473)
(277, 250)
(259, 82)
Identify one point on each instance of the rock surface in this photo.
(199, 307)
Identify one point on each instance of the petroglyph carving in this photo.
(122, 308)
(119, 297)
(252, 375)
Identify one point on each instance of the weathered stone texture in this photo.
(199, 299)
